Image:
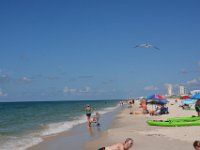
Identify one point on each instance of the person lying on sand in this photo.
(120, 146)
(196, 145)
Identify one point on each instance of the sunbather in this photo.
(120, 146)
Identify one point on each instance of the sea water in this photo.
(24, 124)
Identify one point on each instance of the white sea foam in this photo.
(22, 143)
(55, 128)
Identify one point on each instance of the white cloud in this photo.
(69, 90)
(87, 89)
(4, 78)
(3, 94)
(150, 88)
(25, 80)
(193, 82)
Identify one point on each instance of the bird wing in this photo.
(136, 46)
(156, 47)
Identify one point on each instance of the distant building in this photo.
(169, 90)
(194, 92)
(182, 90)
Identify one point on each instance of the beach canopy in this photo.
(189, 101)
(156, 96)
(161, 101)
(196, 96)
(185, 97)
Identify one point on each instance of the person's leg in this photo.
(88, 120)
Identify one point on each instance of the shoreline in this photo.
(81, 132)
(145, 136)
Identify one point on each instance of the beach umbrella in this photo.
(154, 99)
(185, 97)
(161, 101)
(164, 101)
(155, 96)
(196, 96)
(189, 101)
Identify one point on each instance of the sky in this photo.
(85, 49)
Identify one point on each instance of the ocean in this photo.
(24, 124)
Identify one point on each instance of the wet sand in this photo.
(77, 136)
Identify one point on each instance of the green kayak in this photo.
(193, 118)
(168, 123)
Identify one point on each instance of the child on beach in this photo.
(120, 146)
(196, 145)
(95, 119)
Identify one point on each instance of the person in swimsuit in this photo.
(196, 145)
(197, 107)
(88, 111)
(120, 146)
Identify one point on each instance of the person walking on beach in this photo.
(88, 111)
(197, 107)
(196, 145)
(131, 103)
(120, 146)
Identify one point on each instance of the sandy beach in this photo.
(149, 137)
(123, 125)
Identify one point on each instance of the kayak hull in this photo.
(172, 123)
(193, 118)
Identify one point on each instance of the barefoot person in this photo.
(196, 145)
(88, 111)
(120, 146)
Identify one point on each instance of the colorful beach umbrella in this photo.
(156, 96)
(161, 101)
(185, 97)
(164, 101)
(189, 101)
(196, 96)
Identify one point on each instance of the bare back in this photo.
(118, 146)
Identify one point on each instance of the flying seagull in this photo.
(146, 45)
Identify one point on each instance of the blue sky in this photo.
(71, 50)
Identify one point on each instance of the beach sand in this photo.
(149, 137)
(125, 125)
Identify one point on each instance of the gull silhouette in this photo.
(146, 45)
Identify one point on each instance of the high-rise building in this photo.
(169, 89)
(182, 90)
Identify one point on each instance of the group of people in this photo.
(159, 110)
(129, 141)
(91, 119)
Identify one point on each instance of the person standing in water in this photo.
(88, 111)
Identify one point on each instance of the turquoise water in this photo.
(23, 124)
